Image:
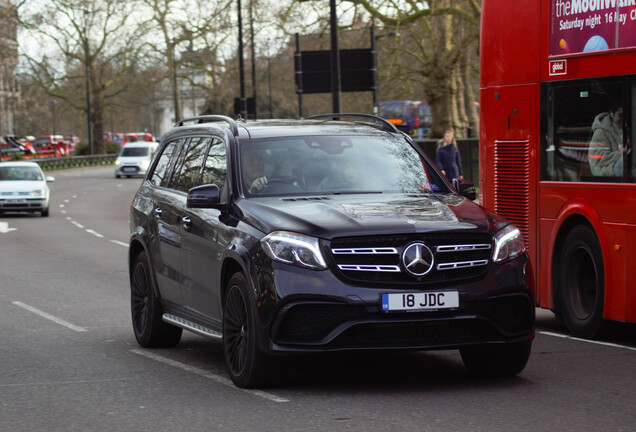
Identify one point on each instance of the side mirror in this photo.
(204, 196)
(50, 179)
(465, 189)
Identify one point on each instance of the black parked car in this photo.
(330, 233)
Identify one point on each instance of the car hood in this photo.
(353, 215)
(21, 185)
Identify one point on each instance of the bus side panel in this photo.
(508, 157)
(594, 205)
(510, 42)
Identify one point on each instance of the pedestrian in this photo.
(447, 157)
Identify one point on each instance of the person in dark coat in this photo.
(447, 157)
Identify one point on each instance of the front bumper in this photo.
(129, 170)
(315, 311)
(24, 205)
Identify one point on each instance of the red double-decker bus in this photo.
(558, 117)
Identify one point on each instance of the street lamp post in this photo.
(88, 97)
(53, 102)
(242, 100)
(335, 59)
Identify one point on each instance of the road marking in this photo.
(219, 379)
(77, 224)
(609, 344)
(49, 317)
(117, 242)
(96, 234)
(4, 228)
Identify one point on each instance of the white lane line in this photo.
(96, 234)
(49, 317)
(117, 242)
(77, 224)
(609, 344)
(219, 379)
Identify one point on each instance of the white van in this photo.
(135, 158)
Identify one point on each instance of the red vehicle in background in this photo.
(138, 136)
(50, 146)
(72, 141)
(553, 91)
(12, 147)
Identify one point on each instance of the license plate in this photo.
(427, 301)
(129, 169)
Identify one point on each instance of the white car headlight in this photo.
(294, 249)
(117, 162)
(38, 193)
(508, 244)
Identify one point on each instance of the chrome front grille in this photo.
(379, 259)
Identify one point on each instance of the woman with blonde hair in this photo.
(447, 156)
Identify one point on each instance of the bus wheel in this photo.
(581, 283)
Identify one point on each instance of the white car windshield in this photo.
(20, 173)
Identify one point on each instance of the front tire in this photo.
(581, 283)
(150, 330)
(502, 360)
(246, 364)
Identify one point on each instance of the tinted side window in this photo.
(161, 173)
(192, 163)
(215, 169)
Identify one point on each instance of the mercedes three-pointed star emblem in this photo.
(418, 259)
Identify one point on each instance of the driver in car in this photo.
(254, 172)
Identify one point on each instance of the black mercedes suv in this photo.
(334, 232)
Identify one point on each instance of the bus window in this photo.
(584, 136)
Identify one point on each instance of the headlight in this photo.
(508, 244)
(294, 249)
(145, 164)
(117, 162)
(38, 193)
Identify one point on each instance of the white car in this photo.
(23, 188)
(134, 158)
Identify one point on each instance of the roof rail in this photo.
(209, 119)
(379, 121)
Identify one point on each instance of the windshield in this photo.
(135, 151)
(20, 173)
(335, 165)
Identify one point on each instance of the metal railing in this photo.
(49, 164)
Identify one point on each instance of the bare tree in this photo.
(204, 26)
(84, 42)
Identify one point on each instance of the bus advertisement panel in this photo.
(558, 119)
(578, 26)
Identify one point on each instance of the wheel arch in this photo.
(135, 247)
(235, 261)
(575, 213)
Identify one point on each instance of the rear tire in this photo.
(502, 360)
(581, 283)
(150, 330)
(246, 364)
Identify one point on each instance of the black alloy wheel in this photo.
(247, 365)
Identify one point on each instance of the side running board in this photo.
(191, 326)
